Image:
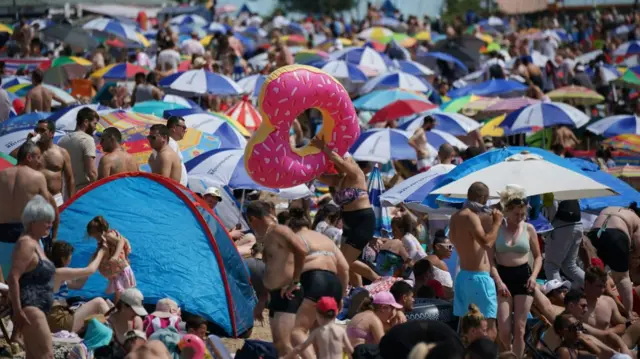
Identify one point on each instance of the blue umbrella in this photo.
(383, 145)
(208, 123)
(252, 84)
(616, 125)
(452, 123)
(544, 114)
(200, 82)
(188, 20)
(14, 80)
(490, 88)
(413, 68)
(26, 121)
(364, 56)
(65, 118)
(376, 189)
(416, 188)
(397, 79)
(446, 58)
(343, 71)
(181, 101)
(376, 100)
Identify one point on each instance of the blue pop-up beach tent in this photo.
(180, 249)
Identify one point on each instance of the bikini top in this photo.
(347, 195)
(313, 253)
(521, 244)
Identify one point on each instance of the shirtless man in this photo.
(116, 159)
(616, 237)
(280, 244)
(419, 143)
(17, 186)
(602, 311)
(166, 161)
(467, 233)
(39, 98)
(564, 136)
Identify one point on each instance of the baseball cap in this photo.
(555, 284)
(327, 304)
(133, 298)
(166, 308)
(132, 334)
(386, 298)
(213, 191)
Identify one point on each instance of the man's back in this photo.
(117, 162)
(39, 99)
(17, 186)
(473, 256)
(80, 145)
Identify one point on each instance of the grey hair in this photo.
(37, 209)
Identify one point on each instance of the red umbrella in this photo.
(399, 109)
(6, 161)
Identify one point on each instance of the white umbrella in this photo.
(415, 188)
(535, 174)
(12, 140)
(383, 145)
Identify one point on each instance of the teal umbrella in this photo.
(156, 108)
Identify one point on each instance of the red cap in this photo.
(326, 304)
(437, 287)
(597, 262)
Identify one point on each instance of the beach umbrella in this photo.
(11, 140)
(625, 171)
(11, 81)
(193, 19)
(22, 90)
(212, 124)
(65, 119)
(246, 114)
(179, 100)
(127, 119)
(375, 189)
(396, 79)
(416, 188)
(431, 58)
(344, 71)
(423, 36)
(490, 88)
(225, 167)
(453, 123)
(121, 71)
(458, 104)
(631, 78)
(629, 143)
(364, 56)
(306, 57)
(6, 29)
(536, 171)
(413, 68)
(216, 27)
(259, 61)
(6, 161)
(628, 48)
(26, 121)
(576, 95)
(293, 40)
(156, 108)
(509, 105)
(341, 42)
(200, 82)
(607, 72)
(252, 84)
(400, 108)
(235, 124)
(378, 99)
(383, 145)
(72, 36)
(616, 125)
(61, 75)
(545, 114)
(115, 27)
(376, 33)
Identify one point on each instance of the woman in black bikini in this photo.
(575, 344)
(358, 218)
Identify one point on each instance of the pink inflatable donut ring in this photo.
(285, 94)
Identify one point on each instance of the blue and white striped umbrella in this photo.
(413, 68)
(396, 79)
(623, 29)
(210, 124)
(628, 48)
(14, 139)
(607, 72)
(544, 114)
(189, 20)
(225, 167)
(25, 121)
(200, 82)
(383, 145)
(217, 28)
(181, 101)
(14, 80)
(375, 187)
(343, 71)
(364, 56)
(416, 188)
(113, 27)
(65, 118)
(252, 84)
(452, 123)
(616, 125)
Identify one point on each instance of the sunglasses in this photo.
(40, 130)
(517, 202)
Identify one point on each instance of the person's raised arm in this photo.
(112, 238)
(477, 231)
(543, 305)
(22, 257)
(27, 104)
(70, 274)
(341, 164)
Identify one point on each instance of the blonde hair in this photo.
(512, 192)
(472, 319)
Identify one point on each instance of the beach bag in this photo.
(569, 211)
(257, 349)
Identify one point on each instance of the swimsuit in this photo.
(613, 246)
(515, 278)
(318, 283)
(9, 235)
(477, 288)
(355, 332)
(358, 227)
(36, 286)
(388, 263)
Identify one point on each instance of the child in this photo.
(197, 326)
(330, 339)
(167, 314)
(115, 266)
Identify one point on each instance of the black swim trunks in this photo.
(278, 304)
(358, 227)
(613, 246)
(9, 235)
(321, 283)
(515, 278)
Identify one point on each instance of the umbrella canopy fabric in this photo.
(490, 88)
(127, 119)
(576, 95)
(246, 114)
(416, 188)
(616, 125)
(630, 143)
(73, 36)
(396, 79)
(155, 108)
(11, 140)
(122, 71)
(306, 57)
(631, 78)
(375, 33)
(378, 99)
(457, 104)
(211, 124)
(535, 173)
(545, 114)
(26, 121)
(509, 105)
(200, 82)
(453, 123)
(65, 119)
(375, 188)
(344, 71)
(11, 81)
(114, 27)
(6, 161)
(23, 89)
(401, 108)
(252, 84)
(413, 68)
(435, 56)
(179, 100)
(628, 48)
(225, 167)
(192, 19)
(383, 145)
(364, 56)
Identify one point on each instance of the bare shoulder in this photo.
(62, 150)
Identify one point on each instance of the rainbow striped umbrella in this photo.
(344, 42)
(309, 56)
(122, 71)
(576, 95)
(245, 114)
(509, 105)
(625, 171)
(631, 78)
(6, 161)
(126, 119)
(293, 40)
(629, 143)
(235, 124)
(403, 39)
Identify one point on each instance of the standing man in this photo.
(56, 163)
(164, 161)
(115, 159)
(18, 185)
(564, 243)
(467, 233)
(82, 148)
(177, 130)
(419, 143)
(39, 98)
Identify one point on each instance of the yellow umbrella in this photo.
(484, 37)
(6, 28)
(143, 40)
(206, 40)
(491, 129)
(423, 36)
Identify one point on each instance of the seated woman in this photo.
(404, 228)
(62, 317)
(392, 254)
(575, 344)
(442, 249)
(126, 315)
(367, 327)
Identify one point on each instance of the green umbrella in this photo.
(631, 79)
